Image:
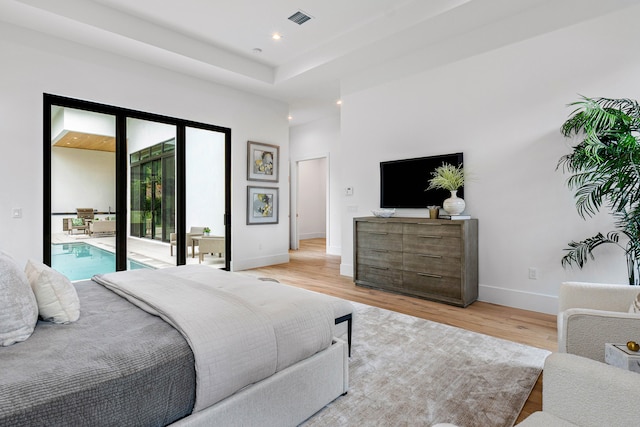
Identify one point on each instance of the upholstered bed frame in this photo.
(286, 398)
(122, 364)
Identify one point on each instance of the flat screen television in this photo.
(403, 182)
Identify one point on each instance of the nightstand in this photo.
(619, 355)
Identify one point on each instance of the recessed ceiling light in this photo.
(339, 102)
(290, 117)
(276, 36)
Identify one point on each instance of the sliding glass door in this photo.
(141, 183)
(82, 149)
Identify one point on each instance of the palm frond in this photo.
(578, 253)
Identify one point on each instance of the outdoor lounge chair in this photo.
(195, 231)
(84, 217)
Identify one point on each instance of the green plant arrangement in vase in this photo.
(451, 178)
(206, 231)
(605, 172)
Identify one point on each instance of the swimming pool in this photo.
(80, 261)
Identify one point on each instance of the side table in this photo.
(619, 355)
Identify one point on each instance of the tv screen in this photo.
(403, 182)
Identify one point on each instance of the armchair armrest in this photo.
(584, 332)
(589, 393)
(598, 296)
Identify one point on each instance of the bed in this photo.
(256, 353)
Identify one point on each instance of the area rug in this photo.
(406, 371)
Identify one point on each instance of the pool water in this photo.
(79, 261)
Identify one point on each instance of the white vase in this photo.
(454, 205)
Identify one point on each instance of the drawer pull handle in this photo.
(430, 256)
(379, 268)
(426, 236)
(384, 251)
(379, 233)
(429, 223)
(430, 275)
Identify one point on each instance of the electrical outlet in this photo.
(533, 273)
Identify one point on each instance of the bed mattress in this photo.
(117, 365)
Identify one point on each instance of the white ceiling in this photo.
(360, 42)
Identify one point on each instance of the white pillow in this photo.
(57, 297)
(635, 305)
(18, 307)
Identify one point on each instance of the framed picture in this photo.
(262, 161)
(262, 205)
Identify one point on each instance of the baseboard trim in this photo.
(519, 299)
(346, 270)
(247, 264)
(334, 250)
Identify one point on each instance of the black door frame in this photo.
(121, 115)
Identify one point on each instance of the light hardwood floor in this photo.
(311, 268)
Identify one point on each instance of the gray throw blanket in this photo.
(115, 366)
(235, 341)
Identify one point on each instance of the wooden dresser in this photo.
(427, 258)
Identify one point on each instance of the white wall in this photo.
(503, 109)
(312, 198)
(34, 64)
(321, 139)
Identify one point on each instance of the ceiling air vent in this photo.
(299, 17)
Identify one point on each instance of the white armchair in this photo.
(577, 391)
(592, 314)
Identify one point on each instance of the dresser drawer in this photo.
(379, 240)
(436, 228)
(434, 265)
(432, 285)
(387, 278)
(445, 246)
(380, 258)
(380, 227)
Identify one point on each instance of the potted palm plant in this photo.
(605, 173)
(451, 178)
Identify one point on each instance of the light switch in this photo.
(348, 191)
(16, 213)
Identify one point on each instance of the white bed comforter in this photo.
(240, 329)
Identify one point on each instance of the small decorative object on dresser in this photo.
(384, 213)
(206, 231)
(434, 212)
(449, 177)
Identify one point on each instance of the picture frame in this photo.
(262, 205)
(263, 161)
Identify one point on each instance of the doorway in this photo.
(310, 191)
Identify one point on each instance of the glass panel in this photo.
(156, 150)
(83, 198)
(152, 192)
(205, 195)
